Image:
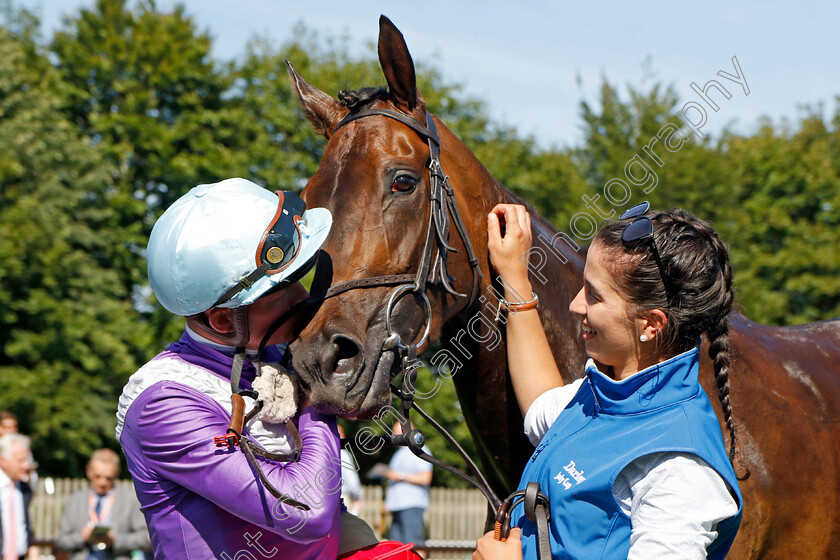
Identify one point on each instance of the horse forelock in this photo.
(356, 100)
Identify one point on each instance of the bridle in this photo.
(432, 269)
(433, 266)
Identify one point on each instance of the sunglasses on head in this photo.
(641, 229)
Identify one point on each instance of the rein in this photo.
(432, 269)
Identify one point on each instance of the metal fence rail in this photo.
(454, 520)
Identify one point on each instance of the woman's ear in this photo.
(652, 324)
(220, 319)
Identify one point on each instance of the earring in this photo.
(643, 338)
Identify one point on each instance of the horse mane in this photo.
(356, 100)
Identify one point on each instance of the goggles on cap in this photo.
(279, 244)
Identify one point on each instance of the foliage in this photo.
(773, 196)
(123, 110)
(782, 221)
(67, 329)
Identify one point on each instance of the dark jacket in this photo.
(26, 490)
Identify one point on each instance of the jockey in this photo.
(228, 257)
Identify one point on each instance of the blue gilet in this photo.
(606, 426)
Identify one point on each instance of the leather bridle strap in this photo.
(436, 172)
(372, 282)
(441, 202)
(424, 131)
(536, 509)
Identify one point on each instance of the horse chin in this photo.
(361, 399)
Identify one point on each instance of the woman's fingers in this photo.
(487, 548)
(494, 230)
(508, 240)
(513, 217)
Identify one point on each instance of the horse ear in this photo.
(323, 111)
(398, 67)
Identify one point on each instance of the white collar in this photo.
(251, 354)
(4, 479)
(214, 345)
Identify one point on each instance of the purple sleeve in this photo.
(175, 428)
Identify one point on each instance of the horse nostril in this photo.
(348, 356)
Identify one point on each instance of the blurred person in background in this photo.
(104, 521)
(8, 423)
(351, 485)
(15, 495)
(409, 478)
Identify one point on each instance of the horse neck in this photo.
(556, 261)
(478, 191)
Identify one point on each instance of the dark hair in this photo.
(356, 100)
(696, 263)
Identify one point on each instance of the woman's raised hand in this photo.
(509, 240)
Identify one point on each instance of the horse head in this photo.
(375, 178)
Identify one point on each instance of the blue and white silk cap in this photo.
(226, 244)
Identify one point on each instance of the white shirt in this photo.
(6, 486)
(674, 500)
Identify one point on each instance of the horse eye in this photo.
(404, 183)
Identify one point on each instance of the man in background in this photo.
(103, 522)
(8, 423)
(15, 495)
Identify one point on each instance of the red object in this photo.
(230, 439)
(385, 550)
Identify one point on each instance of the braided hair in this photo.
(696, 263)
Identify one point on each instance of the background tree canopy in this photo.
(123, 110)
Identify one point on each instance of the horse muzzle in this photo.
(342, 377)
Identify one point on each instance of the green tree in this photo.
(772, 196)
(784, 221)
(68, 339)
(140, 83)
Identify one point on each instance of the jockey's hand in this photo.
(509, 241)
(487, 548)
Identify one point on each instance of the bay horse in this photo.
(375, 180)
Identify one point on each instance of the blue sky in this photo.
(524, 59)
